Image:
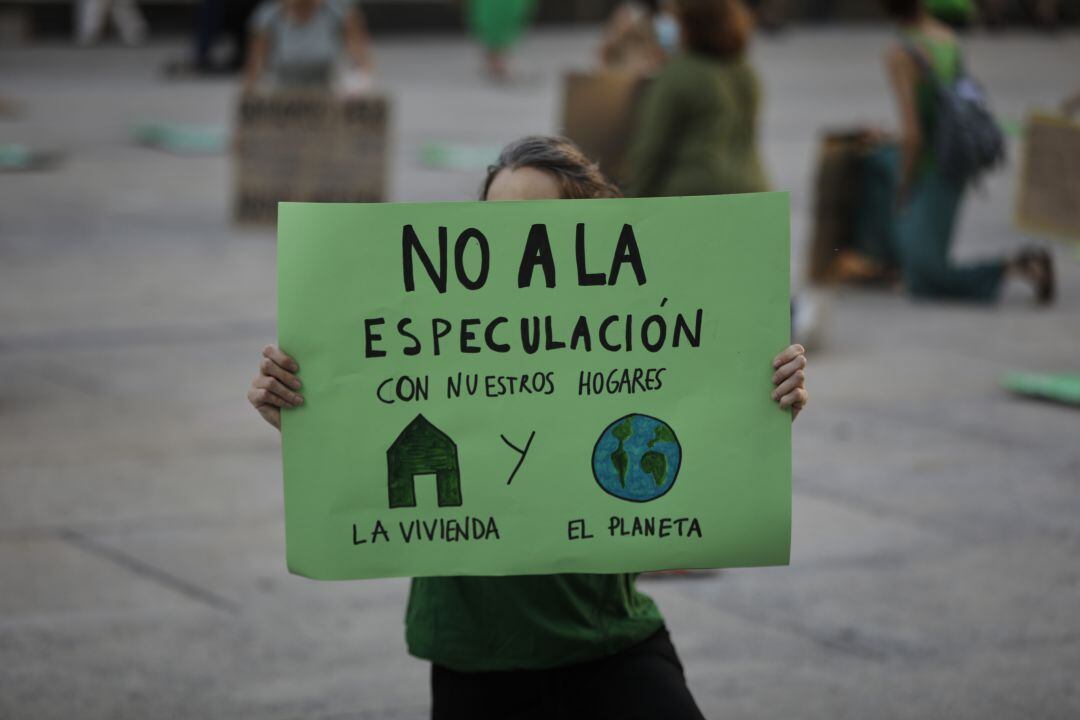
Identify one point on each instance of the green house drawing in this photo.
(422, 449)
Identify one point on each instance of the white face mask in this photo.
(667, 32)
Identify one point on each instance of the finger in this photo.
(798, 396)
(785, 388)
(789, 353)
(271, 368)
(274, 353)
(273, 385)
(262, 396)
(271, 414)
(788, 369)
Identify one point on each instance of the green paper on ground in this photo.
(457, 156)
(575, 428)
(184, 139)
(16, 157)
(1062, 388)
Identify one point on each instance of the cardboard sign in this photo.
(599, 115)
(535, 387)
(308, 147)
(1050, 176)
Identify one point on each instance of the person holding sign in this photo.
(539, 646)
(299, 43)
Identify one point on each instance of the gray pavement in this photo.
(936, 519)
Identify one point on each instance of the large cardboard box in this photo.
(308, 148)
(599, 114)
(836, 194)
(1048, 200)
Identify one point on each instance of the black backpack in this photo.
(966, 139)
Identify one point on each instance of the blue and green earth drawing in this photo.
(637, 458)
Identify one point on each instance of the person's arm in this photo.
(357, 40)
(657, 122)
(903, 73)
(257, 54)
(275, 386)
(790, 379)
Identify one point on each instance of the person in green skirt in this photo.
(928, 201)
(497, 25)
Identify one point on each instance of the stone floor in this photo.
(936, 518)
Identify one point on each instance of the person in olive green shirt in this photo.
(697, 129)
(539, 646)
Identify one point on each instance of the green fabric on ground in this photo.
(498, 24)
(184, 139)
(474, 624)
(1059, 388)
(15, 157)
(457, 156)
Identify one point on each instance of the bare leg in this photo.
(89, 20)
(129, 21)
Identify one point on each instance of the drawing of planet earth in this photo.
(637, 458)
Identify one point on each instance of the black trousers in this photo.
(644, 682)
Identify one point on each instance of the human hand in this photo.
(790, 379)
(274, 386)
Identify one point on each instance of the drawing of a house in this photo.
(422, 449)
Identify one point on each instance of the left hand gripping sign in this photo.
(513, 388)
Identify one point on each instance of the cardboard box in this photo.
(836, 193)
(1048, 197)
(599, 111)
(308, 148)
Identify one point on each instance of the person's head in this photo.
(904, 11)
(541, 167)
(302, 8)
(717, 28)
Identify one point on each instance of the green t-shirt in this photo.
(529, 622)
(697, 130)
(944, 59)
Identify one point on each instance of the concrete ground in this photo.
(936, 531)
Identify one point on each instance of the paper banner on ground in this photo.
(308, 147)
(535, 387)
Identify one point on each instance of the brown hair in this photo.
(718, 28)
(903, 10)
(577, 176)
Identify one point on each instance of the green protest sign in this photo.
(497, 388)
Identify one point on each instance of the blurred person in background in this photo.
(697, 129)
(1045, 13)
(539, 646)
(639, 37)
(298, 44)
(213, 19)
(927, 199)
(90, 17)
(498, 25)
(771, 15)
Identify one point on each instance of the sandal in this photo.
(1038, 265)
